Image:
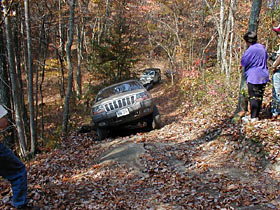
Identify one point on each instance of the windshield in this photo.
(149, 73)
(118, 88)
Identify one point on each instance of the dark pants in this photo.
(12, 169)
(256, 92)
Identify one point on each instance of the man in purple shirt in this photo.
(254, 61)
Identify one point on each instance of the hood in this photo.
(118, 96)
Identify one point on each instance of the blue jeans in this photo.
(275, 105)
(12, 169)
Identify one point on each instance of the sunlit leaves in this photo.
(199, 159)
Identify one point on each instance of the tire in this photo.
(150, 86)
(154, 122)
(102, 133)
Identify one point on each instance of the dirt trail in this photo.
(192, 162)
(232, 172)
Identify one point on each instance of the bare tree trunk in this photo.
(80, 37)
(231, 23)
(191, 50)
(107, 16)
(41, 42)
(41, 86)
(61, 80)
(254, 16)
(253, 26)
(33, 134)
(18, 26)
(61, 53)
(94, 33)
(25, 59)
(43, 51)
(4, 82)
(224, 51)
(219, 26)
(225, 35)
(14, 82)
(70, 69)
(151, 51)
(61, 31)
(5, 98)
(85, 10)
(221, 34)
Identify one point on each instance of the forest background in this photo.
(56, 55)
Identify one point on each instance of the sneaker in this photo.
(248, 119)
(254, 119)
(275, 115)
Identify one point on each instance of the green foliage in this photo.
(90, 91)
(255, 140)
(112, 60)
(275, 12)
(52, 67)
(52, 143)
(244, 92)
(204, 91)
(51, 140)
(113, 56)
(191, 86)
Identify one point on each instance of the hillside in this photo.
(199, 159)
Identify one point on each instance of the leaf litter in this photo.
(199, 159)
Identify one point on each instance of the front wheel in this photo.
(154, 121)
(102, 133)
(150, 86)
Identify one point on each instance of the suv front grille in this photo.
(119, 103)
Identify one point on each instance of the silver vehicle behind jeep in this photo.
(150, 77)
(123, 104)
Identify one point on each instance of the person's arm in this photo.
(246, 59)
(3, 119)
(276, 63)
(276, 84)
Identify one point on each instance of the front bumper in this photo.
(137, 112)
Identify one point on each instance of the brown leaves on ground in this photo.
(199, 159)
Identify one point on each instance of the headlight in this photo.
(142, 96)
(98, 109)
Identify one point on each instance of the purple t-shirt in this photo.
(254, 63)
